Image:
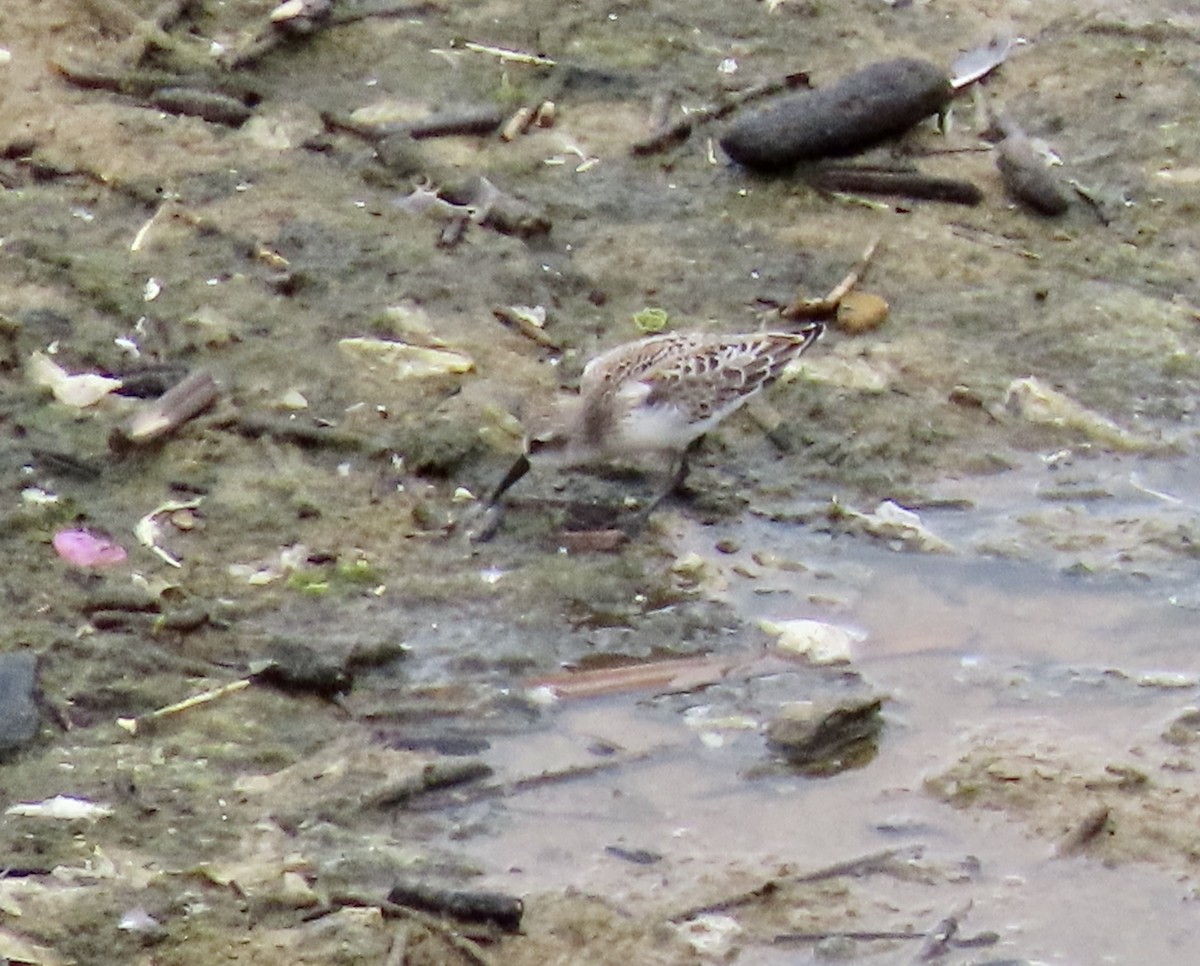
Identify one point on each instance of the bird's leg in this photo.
(678, 473)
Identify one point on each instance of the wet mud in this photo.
(992, 493)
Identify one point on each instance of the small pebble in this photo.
(860, 312)
(19, 717)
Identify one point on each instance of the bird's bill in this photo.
(514, 474)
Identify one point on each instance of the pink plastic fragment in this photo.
(85, 549)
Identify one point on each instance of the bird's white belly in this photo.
(663, 427)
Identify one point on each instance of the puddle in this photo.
(970, 651)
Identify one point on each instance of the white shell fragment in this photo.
(140, 922)
(294, 9)
(711, 936)
(978, 63)
(895, 523)
(80, 391)
(287, 11)
(62, 807)
(148, 528)
(405, 360)
(821, 643)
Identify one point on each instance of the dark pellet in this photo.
(207, 105)
(1026, 178)
(502, 910)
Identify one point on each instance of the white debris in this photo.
(61, 807)
(711, 935)
(405, 360)
(148, 528)
(36, 496)
(139, 921)
(80, 391)
(1035, 402)
(978, 63)
(821, 643)
(894, 523)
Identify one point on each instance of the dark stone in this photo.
(497, 908)
(850, 115)
(827, 737)
(19, 716)
(293, 666)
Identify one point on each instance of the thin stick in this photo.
(505, 54)
(133, 725)
(878, 935)
(399, 951)
(672, 134)
(864, 865)
(428, 803)
(469, 949)
(940, 937)
(803, 308)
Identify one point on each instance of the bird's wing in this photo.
(633, 360)
(717, 375)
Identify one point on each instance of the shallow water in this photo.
(967, 648)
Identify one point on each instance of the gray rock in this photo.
(19, 717)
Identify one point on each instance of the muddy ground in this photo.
(326, 490)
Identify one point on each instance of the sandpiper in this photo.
(656, 397)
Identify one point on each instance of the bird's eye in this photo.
(537, 445)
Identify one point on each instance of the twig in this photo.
(465, 905)
(910, 184)
(429, 803)
(399, 950)
(866, 935)
(134, 725)
(883, 935)
(939, 938)
(504, 54)
(1083, 834)
(525, 322)
(468, 948)
(350, 11)
(803, 308)
(435, 776)
(864, 865)
(143, 81)
(670, 675)
(670, 135)
(183, 401)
